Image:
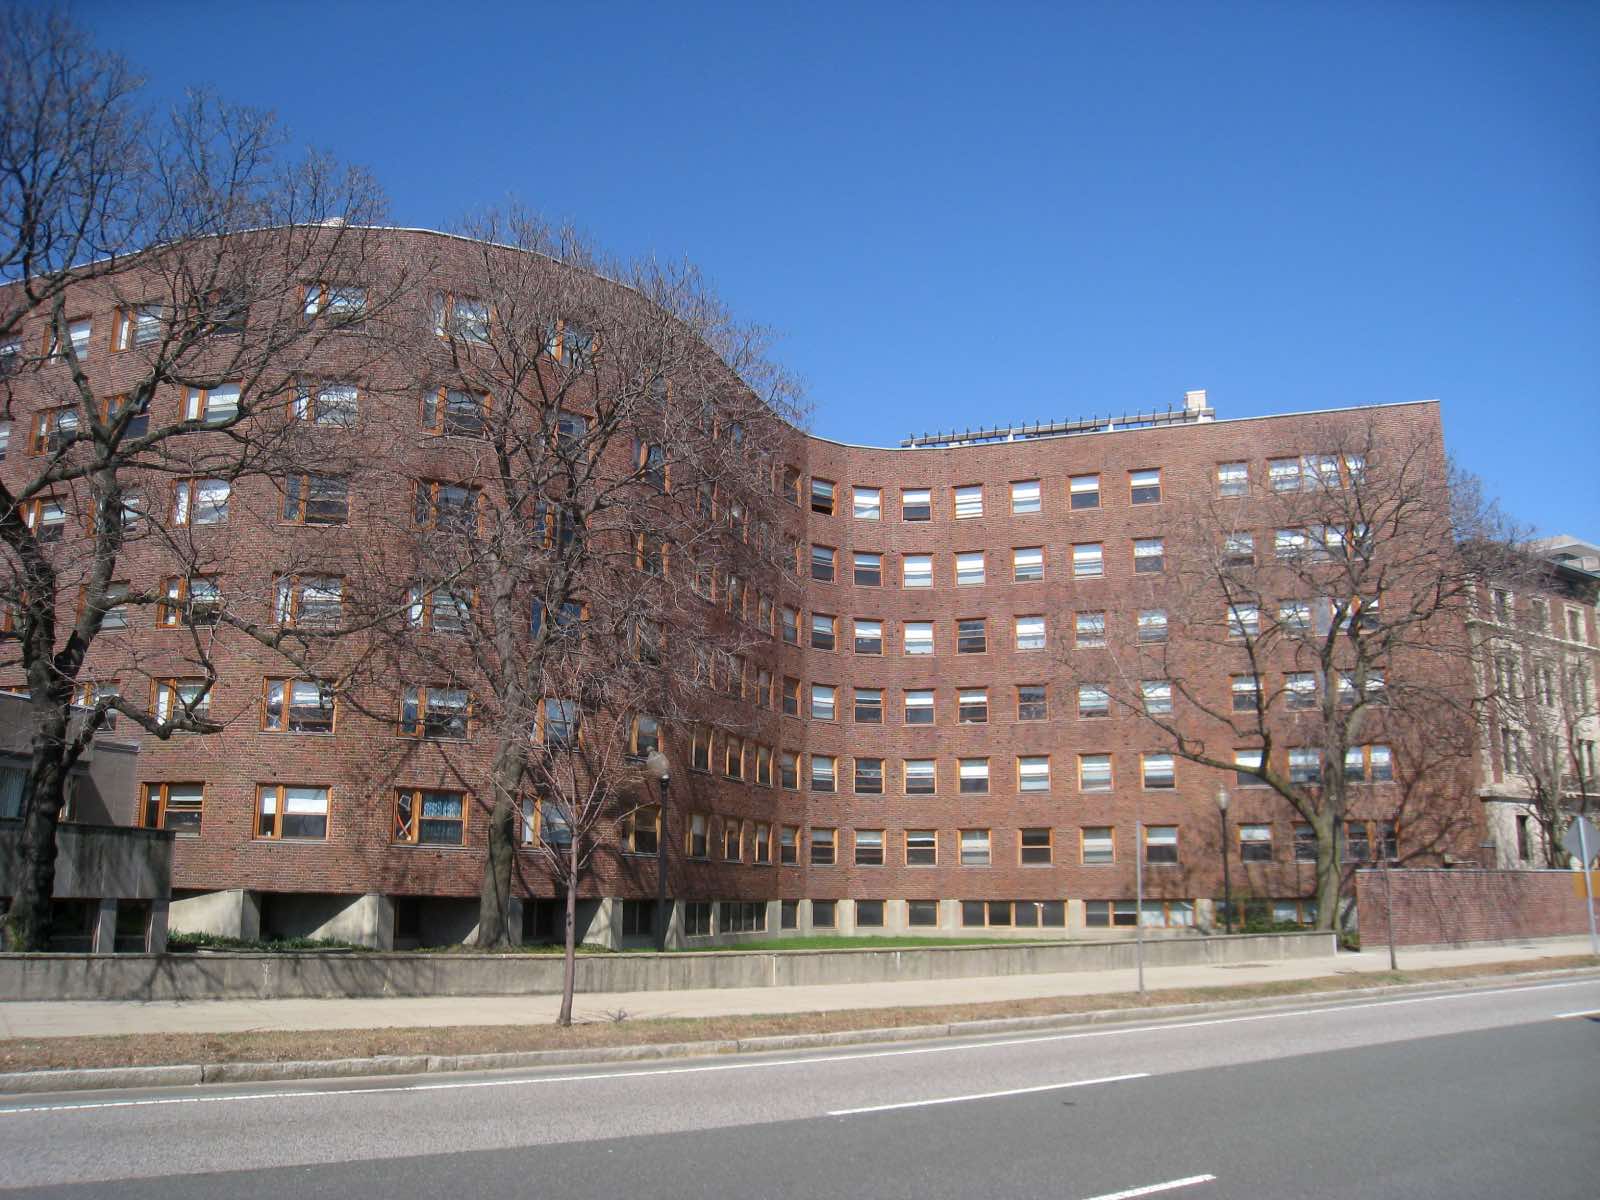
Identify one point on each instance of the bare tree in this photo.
(1317, 639)
(153, 387)
(599, 473)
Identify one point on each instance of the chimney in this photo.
(1194, 404)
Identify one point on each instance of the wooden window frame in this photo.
(409, 833)
(286, 707)
(162, 797)
(282, 790)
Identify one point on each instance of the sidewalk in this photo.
(88, 1018)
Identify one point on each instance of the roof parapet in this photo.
(1195, 411)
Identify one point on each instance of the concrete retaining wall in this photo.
(1457, 907)
(285, 976)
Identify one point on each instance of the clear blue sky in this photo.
(979, 213)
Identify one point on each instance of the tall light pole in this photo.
(658, 768)
(1227, 890)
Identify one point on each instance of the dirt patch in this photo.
(160, 1049)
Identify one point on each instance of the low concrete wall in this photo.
(98, 861)
(284, 976)
(1458, 907)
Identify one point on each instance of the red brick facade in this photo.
(1434, 908)
(363, 760)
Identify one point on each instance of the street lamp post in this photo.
(1227, 890)
(658, 768)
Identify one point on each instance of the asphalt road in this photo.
(1486, 1093)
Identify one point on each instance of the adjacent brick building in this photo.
(928, 770)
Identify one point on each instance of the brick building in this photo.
(909, 758)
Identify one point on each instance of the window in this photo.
(762, 842)
(1153, 625)
(822, 496)
(823, 701)
(823, 850)
(138, 421)
(1036, 847)
(1157, 696)
(309, 600)
(1093, 700)
(1085, 491)
(1305, 765)
(1288, 545)
(1239, 550)
(1369, 764)
(446, 506)
(869, 776)
(1501, 600)
(1233, 479)
(1283, 474)
(1158, 772)
(52, 430)
(919, 707)
(138, 325)
(430, 818)
(1149, 556)
(1025, 497)
(47, 518)
(445, 712)
(866, 503)
(461, 317)
(697, 838)
(822, 563)
(1030, 632)
(823, 772)
(1021, 914)
(1108, 914)
(1087, 560)
(868, 636)
(918, 637)
(454, 412)
(922, 848)
(921, 778)
(764, 766)
(1255, 843)
(1032, 704)
(1574, 616)
(969, 501)
(332, 404)
(113, 606)
(789, 845)
(1033, 773)
(316, 500)
(1090, 629)
(732, 840)
(5, 426)
(916, 504)
(212, 406)
(970, 569)
(91, 692)
(1161, 844)
(1094, 772)
(789, 625)
(922, 914)
(1027, 564)
(824, 631)
(180, 698)
(1300, 690)
(1357, 842)
(1244, 620)
(824, 914)
(1246, 763)
(342, 301)
(201, 501)
(1295, 616)
(869, 849)
(916, 570)
(644, 736)
(733, 757)
(868, 569)
(1145, 486)
(972, 636)
(869, 706)
(1099, 845)
(1246, 691)
(650, 460)
(790, 485)
(446, 611)
(1305, 843)
(291, 813)
(972, 706)
(974, 847)
(297, 706)
(174, 806)
(973, 774)
(791, 696)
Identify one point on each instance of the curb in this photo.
(190, 1075)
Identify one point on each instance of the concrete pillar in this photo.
(231, 913)
(156, 935)
(1077, 919)
(105, 926)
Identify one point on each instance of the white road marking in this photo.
(1171, 1185)
(1592, 1012)
(1043, 1087)
(765, 1064)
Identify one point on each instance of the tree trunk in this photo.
(494, 898)
(569, 966)
(28, 922)
(1328, 872)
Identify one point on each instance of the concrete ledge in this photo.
(311, 975)
(34, 1082)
